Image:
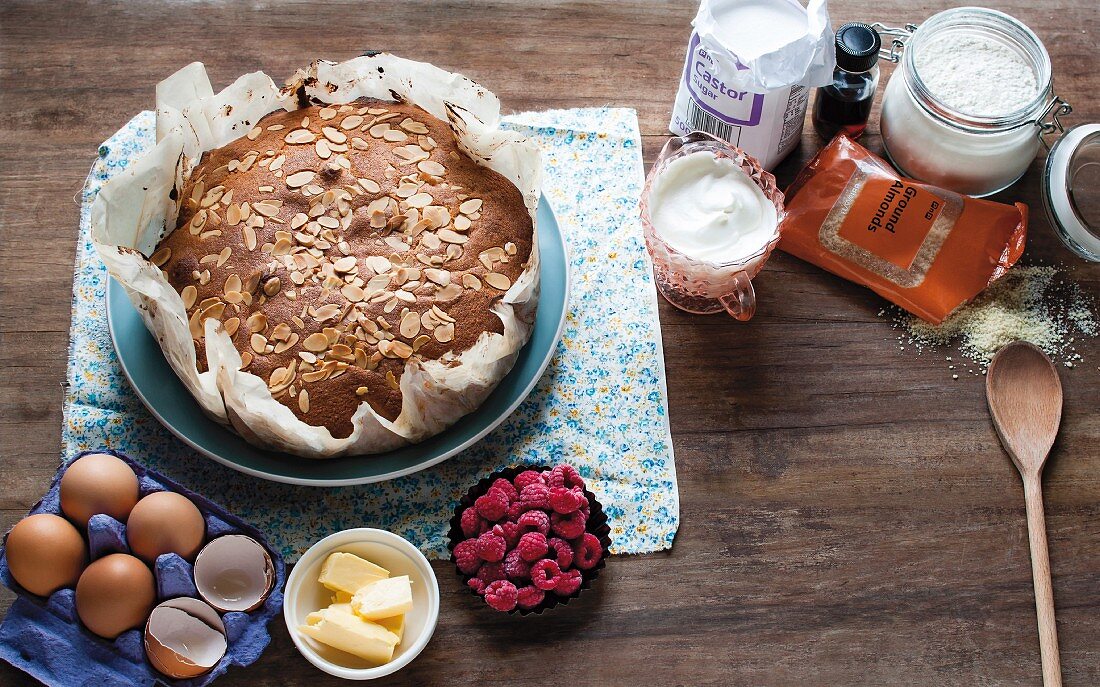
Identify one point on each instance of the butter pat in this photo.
(396, 625)
(346, 572)
(384, 598)
(343, 630)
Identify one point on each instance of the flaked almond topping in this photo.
(267, 208)
(246, 359)
(272, 286)
(327, 113)
(498, 281)
(315, 342)
(303, 401)
(353, 293)
(254, 133)
(344, 264)
(378, 130)
(258, 342)
(161, 256)
(420, 200)
(300, 137)
(413, 126)
(257, 322)
(471, 282)
(394, 135)
(444, 332)
(277, 163)
(462, 223)
(451, 236)
(431, 167)
(233, 283)
(288, 344)
(249, 238)
(322, 148)
(223, 256)
(410, 325)
(510, 248)
(231, 325)
(299, 179)
(233, 215)
(276, 127)
(351, 122)
(362, 391)
(449, 292)
(359, 143)
(326, 312)
(391, 381)
(334, 135)
(189, 294)
(470, 206)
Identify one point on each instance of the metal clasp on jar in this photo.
(1055, 109)
(898, 37)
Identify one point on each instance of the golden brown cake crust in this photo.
(336, 242)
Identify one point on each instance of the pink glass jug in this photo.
(699, 286)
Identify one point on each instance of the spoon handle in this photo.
(1040, 573)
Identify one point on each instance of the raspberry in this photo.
(537, 495)
(530, 596)
(515, 567)
(501, 595)
(564, 500)
(476, 584)
(493, 505)
(562, 552)
(518, 508)
(511, 533)
(565, 476)
(528, 477)
(492, 547)
(532, 546)
(472, 523)
(588, 551)
(567, 526)
(545, 574)
(534, 521)
(568, 583)
(466, 558)
(507, 487)
(491, 572)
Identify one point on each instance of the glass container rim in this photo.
(1010, 29)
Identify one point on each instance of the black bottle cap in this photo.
(857, 47)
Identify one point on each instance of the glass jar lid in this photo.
(1071, 189)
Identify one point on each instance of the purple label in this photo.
(711, 93)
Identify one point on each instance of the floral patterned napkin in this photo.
(601, 404)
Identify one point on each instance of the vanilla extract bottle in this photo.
(845, 104)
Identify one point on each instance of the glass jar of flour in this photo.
(966, 106)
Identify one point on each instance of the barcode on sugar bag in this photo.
(699, 119)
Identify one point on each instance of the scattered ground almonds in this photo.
(1037, 304)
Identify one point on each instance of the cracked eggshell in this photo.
(234, 573)
(184, 638)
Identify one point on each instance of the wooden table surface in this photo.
(848, 516)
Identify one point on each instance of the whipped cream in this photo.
(709, 209)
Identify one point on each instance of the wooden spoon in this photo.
(1025, 400)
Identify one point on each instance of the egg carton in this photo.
(44, 637)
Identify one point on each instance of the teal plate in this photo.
(168, 400)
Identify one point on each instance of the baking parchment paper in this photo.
(135, 209)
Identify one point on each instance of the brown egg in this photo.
(98, 483)
(114, 594)
(45, 553)
(165, 522)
